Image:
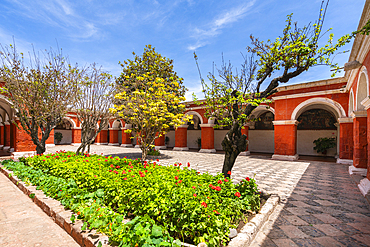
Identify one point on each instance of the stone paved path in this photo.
(320, 204)
(24, 224)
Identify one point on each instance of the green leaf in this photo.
(100, 193)
(156, 231)
(73, 217)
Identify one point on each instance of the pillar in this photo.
(126, 137)
(23, 145)
(345, 141)
(181, 138)
(359, 139)
(76, 136)
(113, 137)
(1, 135)
(6, 136)
(102, 138)
(364, 184)
(50, 141)
(285, 135)
(208, 138)
(159, 142)
(245, 131)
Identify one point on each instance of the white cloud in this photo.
(214, 28)
(197, 90)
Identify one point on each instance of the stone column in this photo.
(285, 132)
(1, 135)
(345, 141)
(126, 137)
(245, 131)
(208, 138)
(181, 138)
(359, 142)
(23, 145)
(6, 136)
(364, 184)
(113, 137)
(102, 138)
(50, 141)
(76, 136)
(160, 142)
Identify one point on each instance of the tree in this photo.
(232, 96)
(149, 96)
(41, 92)
(92, 103)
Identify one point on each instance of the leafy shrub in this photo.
(323, 144)
(193, 207)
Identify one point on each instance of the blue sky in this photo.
(107, 32)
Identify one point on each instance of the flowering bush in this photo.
(193, 207)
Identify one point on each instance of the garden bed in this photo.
(81, 190)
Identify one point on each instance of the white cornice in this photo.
(312, 84)
(366, 102)
(206, 125)
(359, 114)
(299, 95)
(345, 120)
(285, 122)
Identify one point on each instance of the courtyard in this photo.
(320, 204)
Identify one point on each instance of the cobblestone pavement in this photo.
(320, 205)
(24, 224)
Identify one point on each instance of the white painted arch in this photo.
(362, 90)
(259, 110)
(196, 114)
(351, 103)
(323, 103)
(74, 125)
(116, 123)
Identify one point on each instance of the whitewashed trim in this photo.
(317, 93)
(362, 71)
(285, 157)
(357, 171)
(6, 123)
(206, 125)
(182, 126)
(358, 114)
(207, 151)
(49, 145)
(17, 155)
(285, 122)
(113, 144)
(364, 187)
(323, 101)
(180, 149)
(76, 144)
(114, 128)
(160, 147)
(366, 102)
(74, 125)
(101, 143)
(76, 128)
(128, 126)
(345, 161)
(312, 84)
(345, 120)
(245, 153)
(196, 114)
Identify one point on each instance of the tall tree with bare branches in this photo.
(92, 103)
(41, 90)
(232, 96)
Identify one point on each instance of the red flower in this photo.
(237, 194)
(157, 160)
(229, 172)
(110, 170)
(175, 164)
(180, 164)
(195, 195)
(106, 160)
(112, 165)
(198, 172)
(133, 176)
(219, 181)
(118, 167)
(188, 164)
(124, 178)
(210, 185)
(204, 204)
(226, 180)
(193, 187)
(129, 170)
(214, 187)
(215, 211)
(176, 177)
(131, 167)
(123, 172)
(125, 157)
(247, 178)
(142, 175)
(218, 188)
(180, 181)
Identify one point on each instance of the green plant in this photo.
(152, 151)
(102, 190)
(323, 144)
(58, 136)
(166, 140)
(199, 142)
